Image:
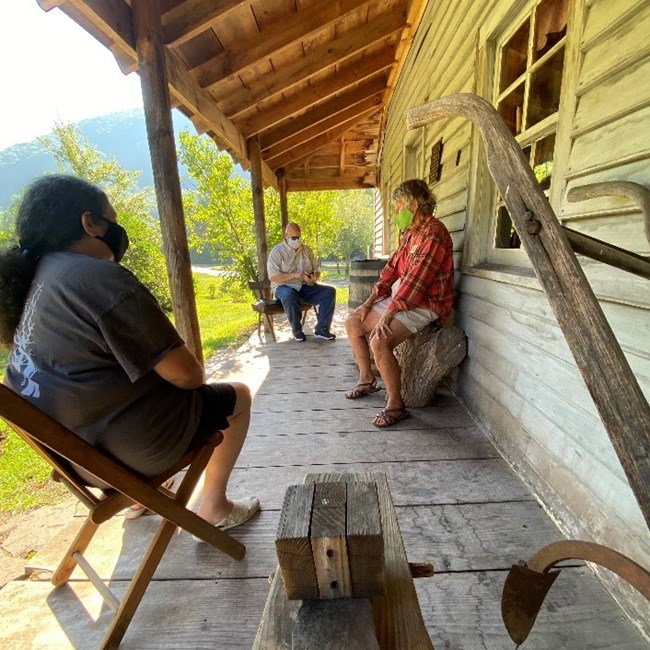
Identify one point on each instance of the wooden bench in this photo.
(348, 622)
(266, 307)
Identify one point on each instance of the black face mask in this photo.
(116, 239)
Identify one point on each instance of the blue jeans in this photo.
(321, 295)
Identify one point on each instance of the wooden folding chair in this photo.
(266, 308)
(59, 446)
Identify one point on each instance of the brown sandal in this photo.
(361, 390)
(388, 417)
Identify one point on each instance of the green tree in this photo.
(74, 155)
(219, 210)
(354, 215)
(7, 227)
(220, 216)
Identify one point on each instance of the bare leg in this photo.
(215, 505)
(358, 332)
(387, 363)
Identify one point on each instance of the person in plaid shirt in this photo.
(415, 288)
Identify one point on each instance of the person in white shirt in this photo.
(294, 273)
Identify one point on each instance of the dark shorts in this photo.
(218, 404)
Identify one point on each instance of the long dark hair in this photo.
(49, 219)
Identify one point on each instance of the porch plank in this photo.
(463, 612)
(458, 504)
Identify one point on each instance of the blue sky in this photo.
(52, 69)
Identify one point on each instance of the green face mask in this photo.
(404, 219)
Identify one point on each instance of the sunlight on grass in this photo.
(24, 477)
(225, 314)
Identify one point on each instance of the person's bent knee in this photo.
(353, 323)
(379, 345)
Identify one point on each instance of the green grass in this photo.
(225, 314)
(24, 478)
(225, 319)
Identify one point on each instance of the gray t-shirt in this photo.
(84, 352)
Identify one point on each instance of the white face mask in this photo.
(294, 243)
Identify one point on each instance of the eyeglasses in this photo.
(294, 238)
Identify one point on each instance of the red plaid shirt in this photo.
(425, 265)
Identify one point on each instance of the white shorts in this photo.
(414, 319)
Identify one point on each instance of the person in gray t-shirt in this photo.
(93, 349)
(294, 272)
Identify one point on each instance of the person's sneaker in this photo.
(301, 338)
(325, 336)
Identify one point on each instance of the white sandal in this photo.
(242, 511)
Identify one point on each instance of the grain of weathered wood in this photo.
(365, 540)
(426, 359)
(398, 620)
(576, 614)
(328, 543)
(363, 446)
(335, 624)
(616, 392)
(160, 135)
(412, 482)
(293, 546)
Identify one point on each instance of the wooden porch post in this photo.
(257, 186)
(282, 188)
(160, 134)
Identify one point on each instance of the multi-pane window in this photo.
(530, 60)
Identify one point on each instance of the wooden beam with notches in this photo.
(191, 17)
(323, 112)
(362, 108)
(295, 156)
(346, 77)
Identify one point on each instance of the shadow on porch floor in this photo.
(458, 503)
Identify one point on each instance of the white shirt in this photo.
(284, 259)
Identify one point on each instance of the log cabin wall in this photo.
(519, 379)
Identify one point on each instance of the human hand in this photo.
(382, 328)
(307, 278)
(363, 310)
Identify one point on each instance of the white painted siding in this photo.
(519, 378)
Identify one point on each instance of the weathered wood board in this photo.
(398, 622)
(576, 614)
(292, 543)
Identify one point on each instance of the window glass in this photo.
(514, 57)
(544, 97)
(550, 25)
(528, 95)
(511, 109)
(543, 160)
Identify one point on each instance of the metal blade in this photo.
(524, 592)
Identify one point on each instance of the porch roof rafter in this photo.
(242, 68)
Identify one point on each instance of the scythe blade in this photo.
(523, 594)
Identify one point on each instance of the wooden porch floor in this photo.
(458, 503)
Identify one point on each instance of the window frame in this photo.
(492, 36)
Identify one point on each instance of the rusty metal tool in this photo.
(528, 583)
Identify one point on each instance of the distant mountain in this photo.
(122, 135)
